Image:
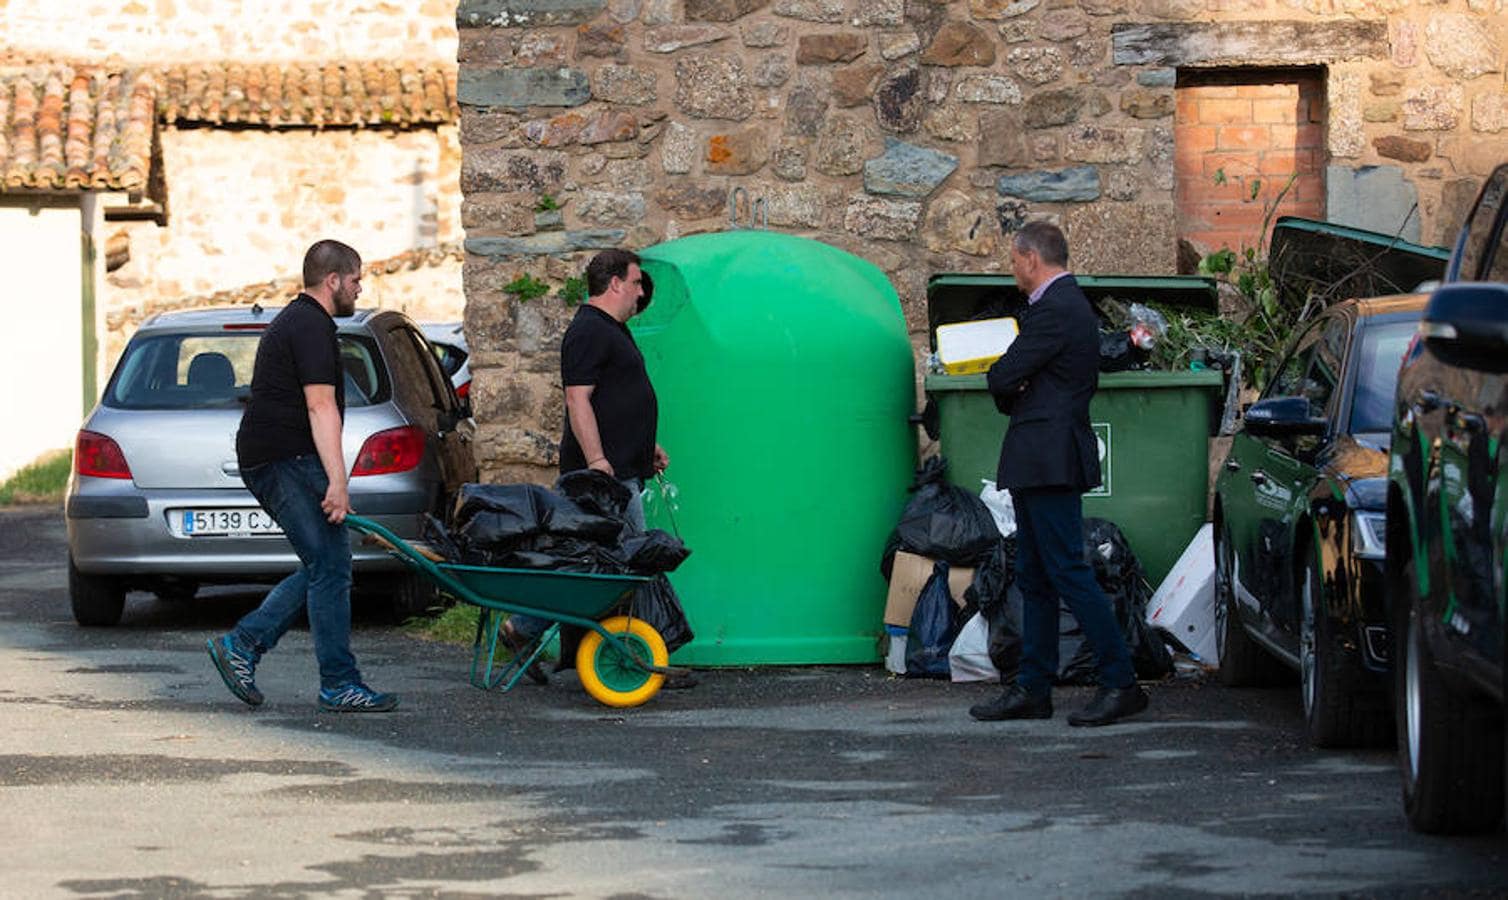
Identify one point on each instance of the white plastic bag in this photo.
(969, 660)
(1000, 506)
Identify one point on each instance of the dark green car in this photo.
(1448, 534)
(1300, 498)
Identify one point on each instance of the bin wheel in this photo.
(610, 677)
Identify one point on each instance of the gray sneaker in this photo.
(237, 669)
(356, 697)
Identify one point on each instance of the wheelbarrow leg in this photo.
(485, 671)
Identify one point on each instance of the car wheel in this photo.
(1336, 712)
(1242, 662)
(97, 600)
(1450, 749)
(413, 595)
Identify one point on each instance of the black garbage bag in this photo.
(437, 536)
(653, 552)
(500, 517)
(1124, 582)
(935, 624)
(596, 492)
(1004, 645)
(942, 521)
(993, 591)
(1119, 353)
(657, 604)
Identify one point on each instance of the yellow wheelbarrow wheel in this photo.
(614, 679)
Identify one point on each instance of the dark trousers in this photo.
(1050, 565)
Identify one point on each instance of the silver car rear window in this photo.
(213, 371)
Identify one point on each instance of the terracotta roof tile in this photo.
(92, 127)
(67, 128)
(370, 93)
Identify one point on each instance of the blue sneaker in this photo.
(237, 669)
(356, 697)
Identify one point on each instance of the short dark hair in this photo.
(606, 266)
(1044, 239)
(327, 257)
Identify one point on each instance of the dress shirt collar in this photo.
(1042, 289)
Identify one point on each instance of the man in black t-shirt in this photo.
(611, 410)
(290, 457)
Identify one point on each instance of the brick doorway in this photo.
(1239, 136)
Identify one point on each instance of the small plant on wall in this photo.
(573, 291)
(526, 287)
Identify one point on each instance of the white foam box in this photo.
(967, 348)
(1184, 604)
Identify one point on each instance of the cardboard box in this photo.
(907, 579)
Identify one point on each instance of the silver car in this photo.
(156, 500)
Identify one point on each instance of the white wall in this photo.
(242, 30)
(41, 343)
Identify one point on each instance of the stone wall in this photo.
(916, 134)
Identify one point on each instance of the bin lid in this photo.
(963, 296)
(1342, 262)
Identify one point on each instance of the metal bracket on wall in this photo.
(759, 212)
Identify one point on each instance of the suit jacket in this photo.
(1044, 382)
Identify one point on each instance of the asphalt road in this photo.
(127, 770)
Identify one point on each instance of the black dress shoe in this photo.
(1013, 704)
(1111, 705)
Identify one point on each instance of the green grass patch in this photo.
(456, 625)
(40, 482)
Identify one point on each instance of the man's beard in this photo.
(345, 301)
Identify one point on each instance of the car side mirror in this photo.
(1283, 417)
(1466, 325)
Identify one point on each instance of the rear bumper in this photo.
(123, 532)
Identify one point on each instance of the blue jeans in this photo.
(290, 490)
(530, 626)
(1050, 564)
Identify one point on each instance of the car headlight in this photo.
(1368, 535)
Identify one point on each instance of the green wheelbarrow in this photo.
(622, 661)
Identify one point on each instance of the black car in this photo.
(1299, 522)
(1299, 502)
(1447, 517)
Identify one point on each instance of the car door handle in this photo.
(1259, 478)
(233, 469)
(1232, 466)
(1429, 401)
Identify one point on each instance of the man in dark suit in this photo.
(1048, 459)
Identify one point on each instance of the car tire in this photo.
(1242, 662)
(97, 600)
(1450, 748)
(413, 595)
(1337, 710)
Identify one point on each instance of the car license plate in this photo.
(219, 522)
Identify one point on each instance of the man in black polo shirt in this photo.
(289, 451)
(611, 410)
